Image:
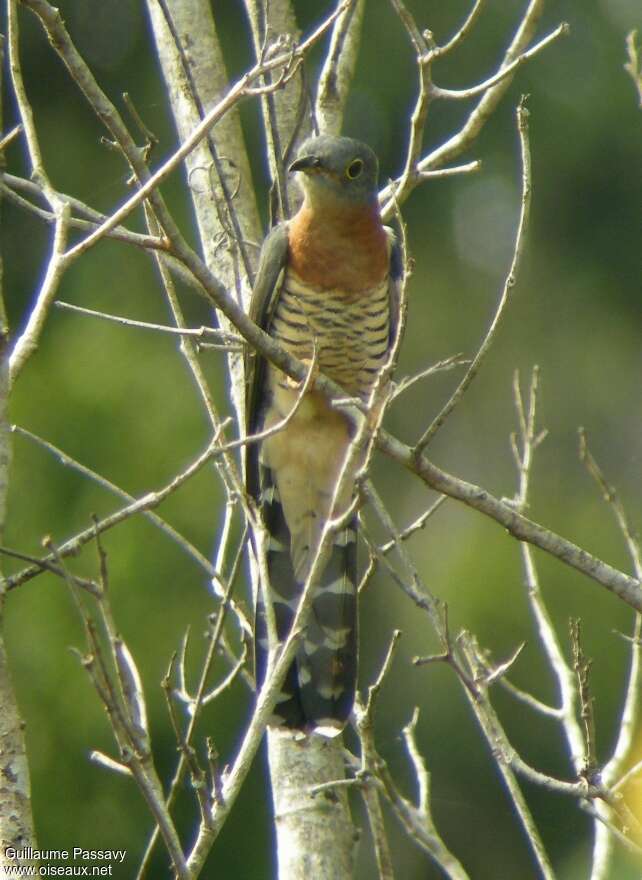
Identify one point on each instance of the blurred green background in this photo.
(121, 401)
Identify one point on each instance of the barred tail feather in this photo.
(284, 593)
(327, 658)
(319, 688)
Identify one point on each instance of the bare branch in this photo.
(478, 117)
(67, 461)
(509, 283)
(463, 94)
(461, 34)
(564, 676)
(415, 526)
(632, 65)
(93, 218)
(582, 668)
(625, 739)
(627, 588)
(124, 701)
(27, 342)
(370, 762)
(456, 360)
(631, 708)
(72, 546)
(498, 744)
(452, 171)
(416, 821)
(228, 340)
(109, 764)
(10, 136)
(338, 69)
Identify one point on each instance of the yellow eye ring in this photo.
(354, 169)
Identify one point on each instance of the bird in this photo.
(326, 289)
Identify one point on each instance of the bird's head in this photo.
(337, 169)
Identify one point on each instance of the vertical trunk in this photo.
(315, 835)
(314, 832)
(16, 823)
(218, 171)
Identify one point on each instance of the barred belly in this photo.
(301, 466)
(350, 330)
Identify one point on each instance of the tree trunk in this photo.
(16, 822)
(314, 832)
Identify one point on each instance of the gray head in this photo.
(338, 167)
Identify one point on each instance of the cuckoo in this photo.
(326, 288)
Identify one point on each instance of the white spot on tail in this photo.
(345, 537)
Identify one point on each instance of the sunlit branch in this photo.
(243, 88)
(67, 461)
(633, 66)
(147, 502)
(480, 114)
(338, 69)
(227, 339)
(525, 445)
(92, 218)
(509, 283)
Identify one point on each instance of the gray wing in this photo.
(394, 287)
(265, 295)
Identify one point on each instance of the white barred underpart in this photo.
(351, 334)
(351, 330)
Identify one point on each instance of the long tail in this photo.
(319, 688)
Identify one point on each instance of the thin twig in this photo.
(424, 58)
(463, 31)
(582, 669)
(147, 502)
(230, 342)
(625, 739)
(414, 526)
(416, 821)
(27, 342)
(463, 94)
(451, 171)
(509, 283)
(241, 89)
(480, 114)
(338, 69)
(10, 183)
(529, 440)
(132, 740)
(456, 360)
(370, 762)
(505, 758)
(65, 459)
(85, 583)
(632, 65)
(10, 136)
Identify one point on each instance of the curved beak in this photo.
(306, 164)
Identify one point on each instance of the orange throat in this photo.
(341, 249)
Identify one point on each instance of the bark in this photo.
(315, 835)
(16, 822)
(218, 171)
(286, 112)
(337, 73)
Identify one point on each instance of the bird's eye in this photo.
(354, 169)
